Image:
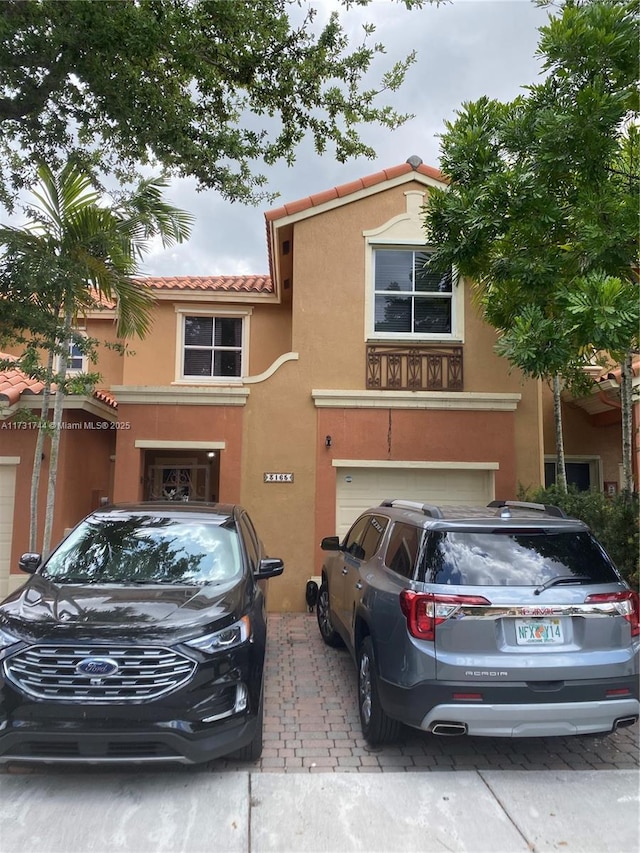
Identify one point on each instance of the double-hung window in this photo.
(212, 346)
(410, 301)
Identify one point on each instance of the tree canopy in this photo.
(542, 208)
(207, 89)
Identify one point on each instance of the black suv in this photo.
(508, 620)
(140, 638)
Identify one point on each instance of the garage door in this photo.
(358, 488)
(7, 497)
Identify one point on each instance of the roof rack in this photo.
(550, 509)
(427, 509)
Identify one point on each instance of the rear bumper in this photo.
(514, 709)
(534, 720)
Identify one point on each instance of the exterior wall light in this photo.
(327, 441)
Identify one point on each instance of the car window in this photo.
(352, 541)
(373, 535)
(146, 549)
(516, 559)
(402, 549)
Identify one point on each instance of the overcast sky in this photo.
(465, 50)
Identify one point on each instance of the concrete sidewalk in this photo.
(191, 811)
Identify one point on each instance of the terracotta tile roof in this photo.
(212, 283)
(14, 383)
(412, 165)
(105, 397)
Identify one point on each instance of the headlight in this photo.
(226, 638)
(7, 639)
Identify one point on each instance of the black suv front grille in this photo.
(140, 673)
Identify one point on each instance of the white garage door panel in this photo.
(359, 488)
(7, 498)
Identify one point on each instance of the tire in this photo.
(323, 614)
(253, 750)
(377, 728)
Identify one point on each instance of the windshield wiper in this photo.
(562, 579)
(70, 579)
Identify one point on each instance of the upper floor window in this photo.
(410, 301)
(77, 361)
(212, 346)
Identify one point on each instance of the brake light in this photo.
(424, 610)
(627, 604)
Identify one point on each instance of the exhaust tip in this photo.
(449, 729)
(624, 722)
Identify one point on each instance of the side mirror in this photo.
(330, 543)
(29, 563)
(270, 567)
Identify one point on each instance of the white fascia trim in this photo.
(277, 364)
(460, 401)
(86, 404)
(9, 460)
(154, 444)
(197, 395)
(378, 463)
(356, 196)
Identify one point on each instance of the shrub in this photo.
(613, 521)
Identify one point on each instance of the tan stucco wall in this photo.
(582, 437)
(154, 362)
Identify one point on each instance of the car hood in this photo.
(154, 611)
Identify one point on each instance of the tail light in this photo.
(627, 604)
(424, 610)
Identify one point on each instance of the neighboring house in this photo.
(346, 376)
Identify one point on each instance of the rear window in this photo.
(521, 559)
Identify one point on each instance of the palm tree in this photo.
(77, 248)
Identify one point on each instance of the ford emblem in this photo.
(97, 667)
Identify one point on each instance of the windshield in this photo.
(142, 549)
(522, 559)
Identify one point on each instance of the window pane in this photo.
(75, 357)
(394, 270)
(373, 535)
(228, 332)
(198, 331)
(433, 316)
(227, 363)
(393, 314)
(197, 362)
(428, 280)
(403, 549)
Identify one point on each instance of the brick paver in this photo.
(312, 723)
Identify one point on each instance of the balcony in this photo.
(414, 368)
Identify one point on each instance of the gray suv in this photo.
(508, 621)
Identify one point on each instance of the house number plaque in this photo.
(275, 477)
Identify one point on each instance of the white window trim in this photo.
(596, 480)
(406, 231)
(183, 311)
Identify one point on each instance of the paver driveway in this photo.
(312, 723)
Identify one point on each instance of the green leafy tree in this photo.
(541, 211)
(75, 250)
(203, 88)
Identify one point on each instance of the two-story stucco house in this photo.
(345, 376)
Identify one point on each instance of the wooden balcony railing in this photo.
(414, 368)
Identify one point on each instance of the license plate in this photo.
(538, 632)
